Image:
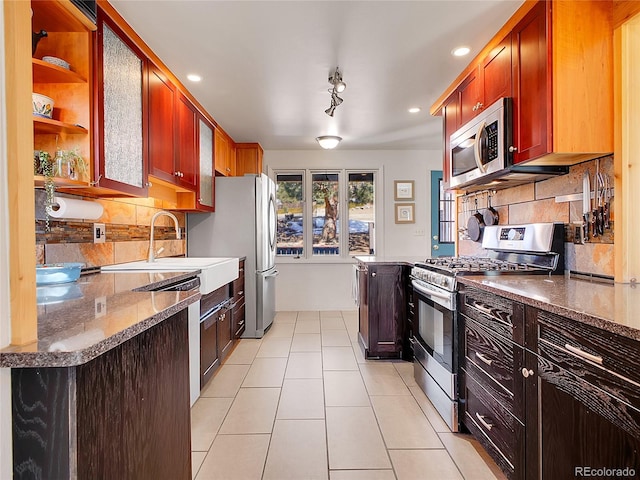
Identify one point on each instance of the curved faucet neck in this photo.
(152, 255)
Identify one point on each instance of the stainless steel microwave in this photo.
(481, 147)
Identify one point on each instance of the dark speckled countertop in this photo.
(380, 259)
(79, 321)
(615, 308)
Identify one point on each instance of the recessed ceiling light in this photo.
(460, 51)
(414, 109)
(194, 78)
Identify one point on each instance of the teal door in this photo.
(442, 218)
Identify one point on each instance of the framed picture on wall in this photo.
(403, 189)
(405, 213)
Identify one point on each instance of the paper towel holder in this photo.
(62, 207)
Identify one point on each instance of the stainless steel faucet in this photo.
(152, 254)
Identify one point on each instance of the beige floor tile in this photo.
(280, 330)
(382, 379)
(298, 450)
(330, 314)
(207, 414)
(403, 424)
(244, 352)
(430, 412)
(304, 365)
(306, 342)
(285, 317)
(301, 398)
(309, 315)
(361, 475)
(226, 382)
(274, 347)
(345, 389)
(347, 314)
(253, 411)
(266, 372)
(332, 323)
(335, 338)
(354, 439)
(338, 358)
(196, 461)
(307, 326)
(405, 370)
(472, 460)
(237, 457)
(427, 464)
(351, 322)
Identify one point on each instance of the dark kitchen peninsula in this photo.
(384, 299)
(104, 391)
(550, 383)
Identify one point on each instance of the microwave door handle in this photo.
(477, 146)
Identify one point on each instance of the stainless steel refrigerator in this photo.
(243, 225)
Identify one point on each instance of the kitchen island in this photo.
(104, 391)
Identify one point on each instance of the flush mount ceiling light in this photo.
(414, 109)
(338, 86)
(328, 141)
(460, 51)
(193, 77)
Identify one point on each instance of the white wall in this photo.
(5, 324)
(313, 286)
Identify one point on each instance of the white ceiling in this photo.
(265, 64)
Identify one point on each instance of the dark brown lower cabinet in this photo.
(382, 310)
(563, 404)
(125, 414)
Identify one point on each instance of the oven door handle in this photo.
(428, 291)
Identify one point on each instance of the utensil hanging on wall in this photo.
(475, 225)
(490, 215)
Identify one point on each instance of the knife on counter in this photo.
(586, 204)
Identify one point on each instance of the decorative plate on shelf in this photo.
(57, 61)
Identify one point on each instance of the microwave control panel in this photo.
(492, 141)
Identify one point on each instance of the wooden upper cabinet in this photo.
(469, 97)
(206, 182)
(224, 156)
(496, 73)
(186, 154)
(450, 125)
(248, 158)
(160, 136)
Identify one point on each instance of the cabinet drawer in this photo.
(596, 356)
(211, 300)
(494, 427)
(491, 353)
(238, 321)
(493, 312)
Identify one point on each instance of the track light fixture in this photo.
(335, 79)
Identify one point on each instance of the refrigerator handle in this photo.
(274, 274)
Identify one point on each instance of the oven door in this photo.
(435, 345)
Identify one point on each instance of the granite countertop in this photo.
(79, 321)
(380, 259)
(610, 307)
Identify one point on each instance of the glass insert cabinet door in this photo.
(121, 152)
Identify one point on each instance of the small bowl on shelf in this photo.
(57, 61)
(54, 273)
(42, 105)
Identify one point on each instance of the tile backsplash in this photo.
(536, 202)
(127, 224)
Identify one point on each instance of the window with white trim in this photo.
(316, 207)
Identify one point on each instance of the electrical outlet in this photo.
(101, 307)
(419, 232)
(99, 233)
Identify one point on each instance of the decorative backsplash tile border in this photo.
(127, 226)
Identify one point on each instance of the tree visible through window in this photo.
(326, 197)
(361, 213)
(290, 202)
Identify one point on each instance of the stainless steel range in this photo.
(509, 249)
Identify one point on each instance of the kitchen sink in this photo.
(216, 271)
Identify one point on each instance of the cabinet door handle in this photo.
(526, 373)
(484, 359)
(513, 149)
(481, 419)
(581, 353)
(373, 274)
(482, 308)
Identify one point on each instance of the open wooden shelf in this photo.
(44, 72)
(60, 16)
(39, 181)
(47, 125)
